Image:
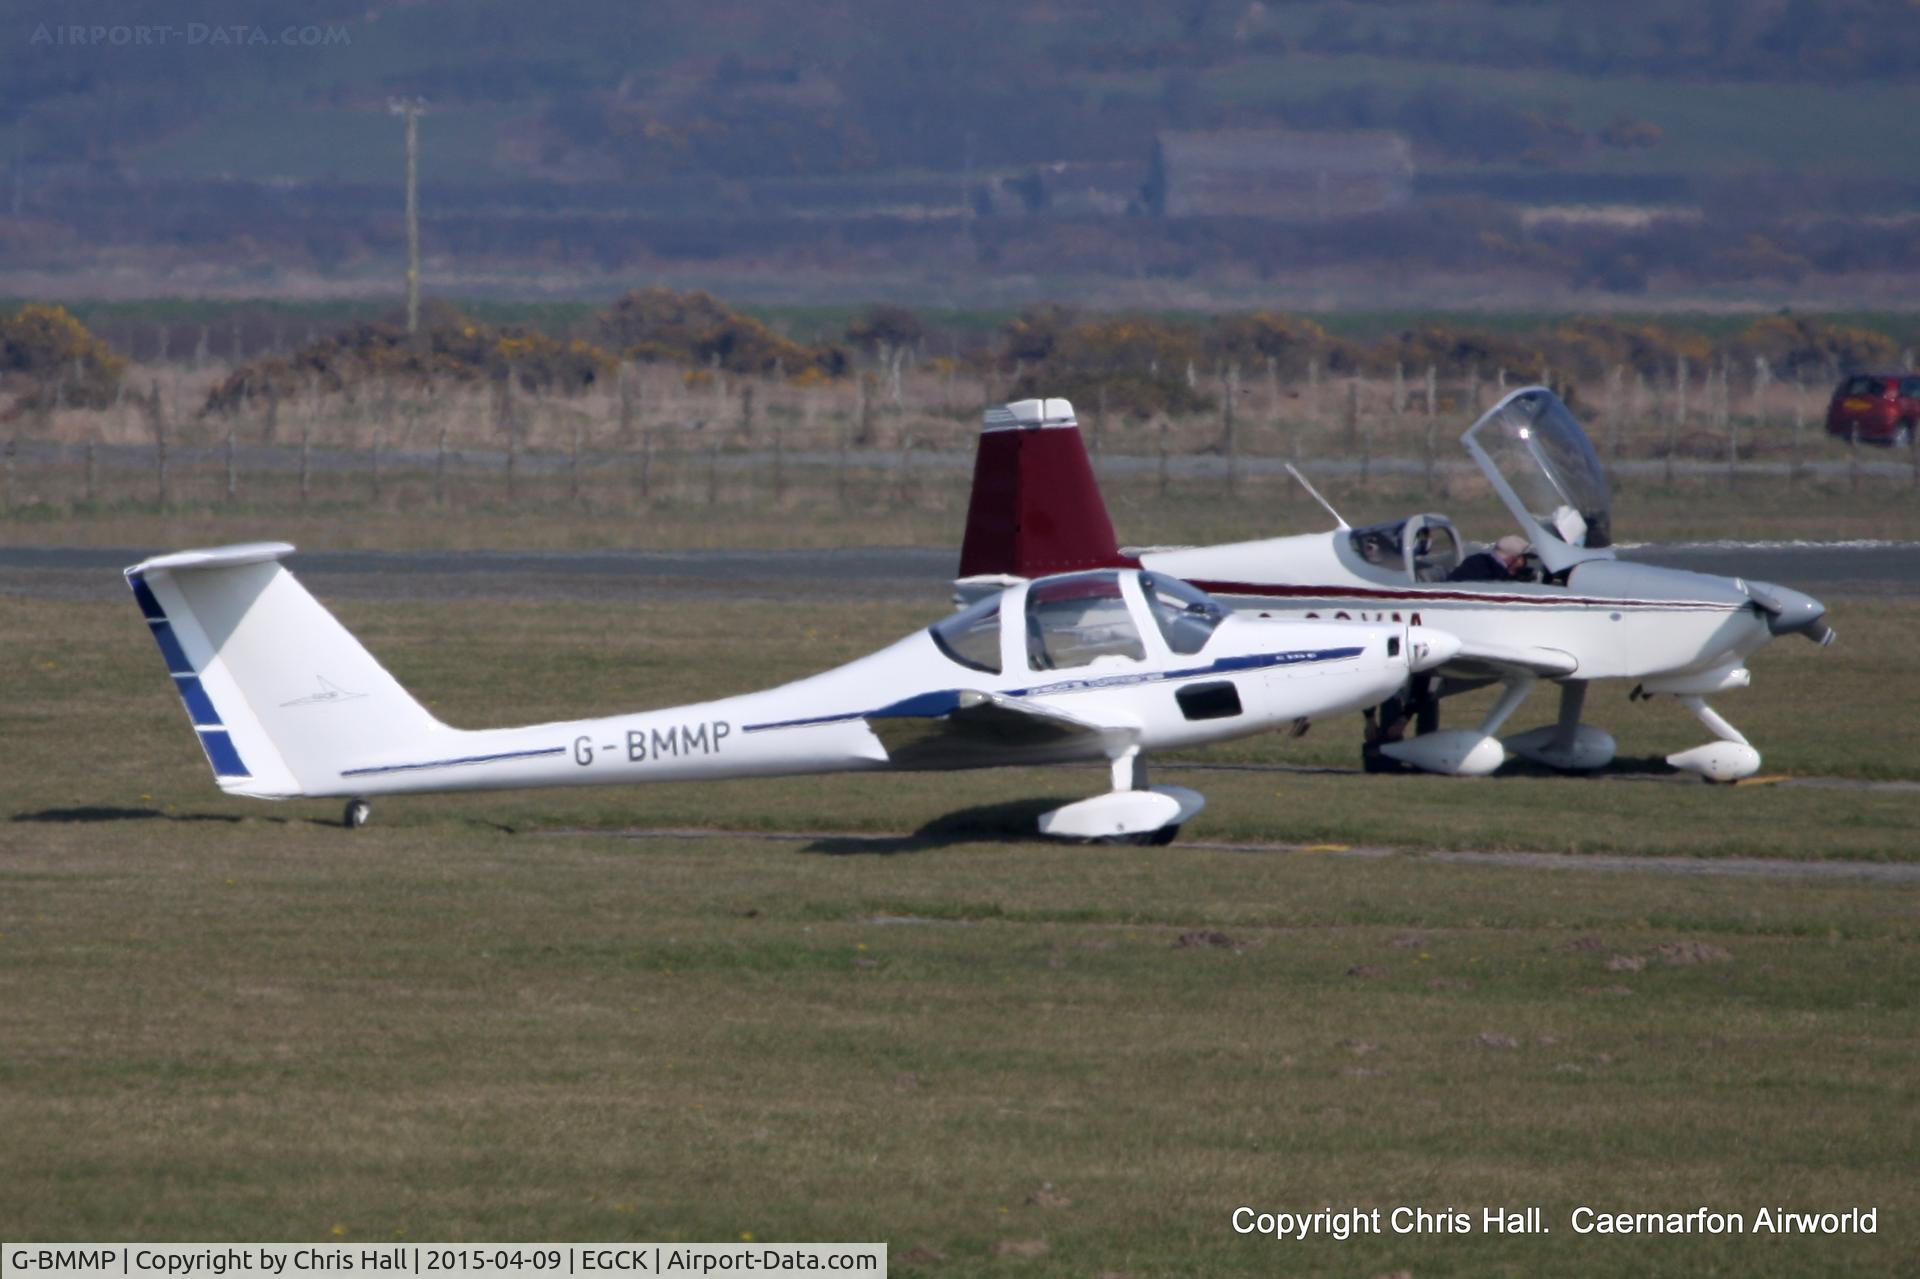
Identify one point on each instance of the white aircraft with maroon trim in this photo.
(1575, 613)
(1105, 665)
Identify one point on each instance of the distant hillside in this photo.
(872, 137)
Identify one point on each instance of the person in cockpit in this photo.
(1504, 561)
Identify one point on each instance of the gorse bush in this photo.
(1129, 363)
(449, 347)
(661, 326)
(51, 358)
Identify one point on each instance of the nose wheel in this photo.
(357, 814)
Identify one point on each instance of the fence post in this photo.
(573, 467)
(646, 463)
(440, 470)
(93, 475)
(1641, 392)
(1163, 457)
(233, 479)
(13, 446)
(513, 443)
(623, 385)
(779, 461)
(1352, 415)
(374, 448)
(1679, 413)
(902, 482)
(713, 473)
(840, 470)
(1799, 424)
(158, 411)
(1615, 410)
(1366, 438)
(1433, 377)
(1727, 423)
(1313, 391)
(1230, 385)
(1100, 421)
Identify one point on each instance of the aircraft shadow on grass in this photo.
(1008, 822)
(97, 813)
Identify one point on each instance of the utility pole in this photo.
(410, 109)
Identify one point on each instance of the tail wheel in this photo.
(357, 814)
(1902, 435)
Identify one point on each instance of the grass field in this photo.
(226, 1019)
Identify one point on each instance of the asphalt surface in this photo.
(1822, 569)
(684, 447)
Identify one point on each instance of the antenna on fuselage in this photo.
(1315, 494)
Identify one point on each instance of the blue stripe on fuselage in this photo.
(451, 763)
(944, 702)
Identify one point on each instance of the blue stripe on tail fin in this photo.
(214, 739)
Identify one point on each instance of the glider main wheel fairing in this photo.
(1140, 839)
(357, 813)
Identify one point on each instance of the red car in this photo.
(1881, 407)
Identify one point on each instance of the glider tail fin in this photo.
(1036, 506)
(279, 693)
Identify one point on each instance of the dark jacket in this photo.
(1480, 567)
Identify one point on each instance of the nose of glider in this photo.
(1428, 647)
(1790, 612)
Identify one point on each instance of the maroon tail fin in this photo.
(1036, 507)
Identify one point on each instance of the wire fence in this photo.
(899, 435)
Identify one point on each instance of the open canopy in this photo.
(1544, 468)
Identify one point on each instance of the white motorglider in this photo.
(1103, 665)
(1576, 613)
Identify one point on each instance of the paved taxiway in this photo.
(1822, 569)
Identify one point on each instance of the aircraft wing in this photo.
(960, 728)
(1479, 660)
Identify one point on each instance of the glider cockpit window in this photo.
(971, 637)
(1186, 615)
(1436, 553)
(1072, 621)
(1378, 544)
